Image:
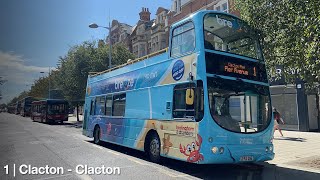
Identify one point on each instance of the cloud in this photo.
(19, 76)
(13, 68)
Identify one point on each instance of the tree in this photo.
(291, 35)
(40, 88)
(2, 81)
(81, 59)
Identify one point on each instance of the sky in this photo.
(34, 33)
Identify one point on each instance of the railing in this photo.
(92, 74)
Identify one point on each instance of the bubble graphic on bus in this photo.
(178, 70)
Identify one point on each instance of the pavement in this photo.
(297, 150)
(63, 145)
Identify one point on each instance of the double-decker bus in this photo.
(25, 104)
(50, 110)
(205, 100)
(11, 108)
(18, 107)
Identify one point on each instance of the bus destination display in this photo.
(235, 67)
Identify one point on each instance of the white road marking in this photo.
(94, 145)
(136, 161)
(115, 153)
(84, 177)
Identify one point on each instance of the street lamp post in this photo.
(94, 25)
(49, 83)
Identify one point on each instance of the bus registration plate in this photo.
(246, 158)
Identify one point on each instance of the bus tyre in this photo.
(96, 135)
(153, 150)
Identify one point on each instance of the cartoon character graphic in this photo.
(166, 144)
(192, 152)
(109, 128)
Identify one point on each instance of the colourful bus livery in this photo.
(205, 100)
(50, 110)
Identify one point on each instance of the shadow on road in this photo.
(291, 139)
(223, 171)
(67, 124)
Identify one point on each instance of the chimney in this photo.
(145, 14)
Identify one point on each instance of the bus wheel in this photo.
(96, 135)
(154, 148)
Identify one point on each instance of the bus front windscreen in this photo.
(229, 34)
(57, 109)
(239, 106)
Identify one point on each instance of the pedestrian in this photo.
(277, 119)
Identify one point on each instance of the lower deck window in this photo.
(119, 105)
(181, 109)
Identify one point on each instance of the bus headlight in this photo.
(270, 148)
(214, 150)
(267, 149)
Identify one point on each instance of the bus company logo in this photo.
(178, 70)
(224, 22)
(124, 84)
(184, 130)
(246, 141)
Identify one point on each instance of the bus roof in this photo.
(148, 59)
(128, 67)
(163, 51)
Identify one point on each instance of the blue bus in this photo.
(25, 103)
(205, 100)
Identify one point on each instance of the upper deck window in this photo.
(183, 40)
(227, 33)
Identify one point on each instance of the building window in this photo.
(119, 105)
(222, 6)
(183, 40)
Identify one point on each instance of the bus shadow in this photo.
(290, 139)
(221, 171)
(77, 125)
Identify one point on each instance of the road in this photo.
(36, 144)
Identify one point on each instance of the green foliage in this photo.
(291, 35)
(40, 88)
(74, 68)
(20, 97)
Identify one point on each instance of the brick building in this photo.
(159, 36)
(141, 34)
(120, 34)
(182, 8)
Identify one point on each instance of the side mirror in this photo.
(189, 96)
